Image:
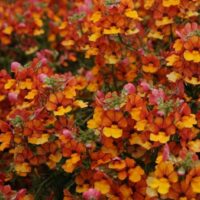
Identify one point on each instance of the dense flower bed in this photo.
(100, 99)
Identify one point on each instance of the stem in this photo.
(114, 77)
(127, 45)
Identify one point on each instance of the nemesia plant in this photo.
(100, 99)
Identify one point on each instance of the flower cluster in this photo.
(100, 99)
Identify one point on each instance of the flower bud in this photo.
(42, 77)
(67, 133)
(92, 194)
(12, 96)
(130, 88)
(15, 66)
(181, 171)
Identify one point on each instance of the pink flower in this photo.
(92, 194)
(42, 77)
(86, 7)
(161, 113)
(12, 96)
(67, 133)
(129, 88)
(20, 194)
(145, 86)
(89, 76)
(44, 61)
(100, 98)
(156, 96)
(15, 66)
(166, 152)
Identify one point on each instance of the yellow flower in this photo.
(193, 80)
(2, 97)
(92, 87)
(192, 56)
(96, 121)
(67, 43)
(31, 50)
(148, 4)
(164, 21)
(135, 174)
(160, 137)
(111, 59)
(168, 3)
(81, 104)
(161, 185)
(195, 184)
(150, 68)
(22, 169)
(112, 131)
(38, 32)
(28, 197)
(164, 186)
(94, 36)
(187, 122)
(136, 139)
(31, 94)
(55, 157)
(70, 92)
(131, 31)
(70, 164)
(37, 20)
(8, 30)
(93, 51)
(96, 16)
(132, 14)
(194, 145)
(82, 188)
(9, 84)
(173, 76)
(140, 125)
(112, 30)
(27, 84)
(63, 25)
(178, 45)
(61, 110)
(5, 139)
(155, 35)
(38, 140)
(102, 186)
(172, 59)
(152, 182)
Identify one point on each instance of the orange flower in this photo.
(99, 158)
(192, 49)
(193, 178)
(5, 139)
(71, 163)
(135, 174)
(164, 176)
(22, 169)
(96, 121)
(113, 123)
(136, 191)
(181, 190)
(150, 64)
(117, 164)
(113, 24)
(186, 121)
(161, 129)
(102, 186)
(58, 104)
